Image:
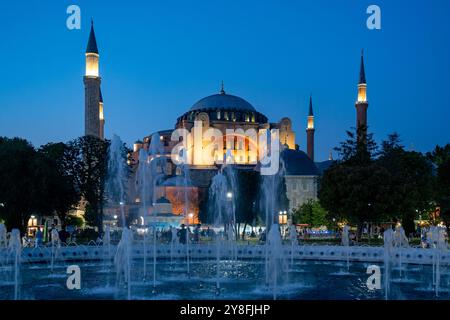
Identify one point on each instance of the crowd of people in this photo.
(41, 238)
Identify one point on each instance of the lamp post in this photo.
(282, 220)
(191, 216)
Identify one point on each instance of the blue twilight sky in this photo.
(160, 57)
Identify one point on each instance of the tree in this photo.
(355, 193)
(364, 188)
(63, 192)
(90, 161)
(353, 188)
(19, 184)
(312, 213)
(247, 182)
(411, 182)
(443, 194)
(358, 151)
(440, 157)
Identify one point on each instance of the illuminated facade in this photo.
(220, 112)
(224, 112)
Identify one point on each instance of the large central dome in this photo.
(223, 101)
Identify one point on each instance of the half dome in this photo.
(297, 163)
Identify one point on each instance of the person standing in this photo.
(39, 236)
(182, 234)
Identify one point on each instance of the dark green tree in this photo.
(359, 148)
(248, 182)
(312, 213)
(91, 161)
(440, 157)
(63, 193)
(20, 182)
(411, 182)
(355, 193)
(354, 187)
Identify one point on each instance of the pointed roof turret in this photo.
(362, 72)
(310, 107)
(92, 43)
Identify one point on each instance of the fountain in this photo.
(14, 251)
(388, 238)
(123, 260)
(346, 243)
(276, 259)
(222, 205)
(117, 176)
(3, 241)
(400, 241)
(271, 204)
(173, 242)
(142, 181)
(293, 237)
(184, 182)
(56, 245)
(106, 243)
(437, 240)
(234, 268)
(152, 173)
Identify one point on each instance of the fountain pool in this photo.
(317, 272)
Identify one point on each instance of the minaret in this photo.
(310, 131)
(93, 106)
(362, 104)
(101, 116)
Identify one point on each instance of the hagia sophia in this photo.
(220, 111)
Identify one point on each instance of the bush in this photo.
(86, 235)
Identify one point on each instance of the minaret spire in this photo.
(362, 72)
(310, 131)
(361, 103)
(222, 91)
(92, 42)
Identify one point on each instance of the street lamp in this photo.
(282, 217)
(229, 195)
(190, 215)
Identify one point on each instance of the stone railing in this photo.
(94, 252)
